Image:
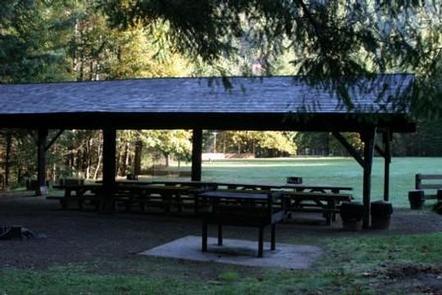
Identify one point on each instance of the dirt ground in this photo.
(72, 236)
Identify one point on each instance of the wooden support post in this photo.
(220, 234)
(386, 136)
(41, 189)
(197, 146)
(260, 241)
(204, 237)
(368, 137)
(109, 168)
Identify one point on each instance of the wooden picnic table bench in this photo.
(316, 188)
(420, 185)
(82, 193)
(247, 186)
(325, 203)
(154, 196)
(128, 195)
(247, 209)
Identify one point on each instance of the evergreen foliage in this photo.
(58, 40)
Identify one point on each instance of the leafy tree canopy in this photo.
(331, 40)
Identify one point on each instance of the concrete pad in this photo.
(238, 252)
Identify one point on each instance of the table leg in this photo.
(196, 205)
(220, 235)
(204, 237)
(273, 238)
(328, 212)
(179, 202)
(167, 198)
(333, 215)
(261, 241)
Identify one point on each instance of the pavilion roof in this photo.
(188, 100)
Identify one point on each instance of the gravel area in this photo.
(72, 236)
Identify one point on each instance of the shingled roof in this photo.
(185, 102)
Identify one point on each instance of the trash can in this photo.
(438, 206)
(294, 180)
(381, 214)
(416, 198)
(351, 215)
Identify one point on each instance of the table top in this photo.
(248, 185)
(78, 186)
(156, 188)
(318, 196)
(234, 195)
(182, 183)
(317, 187)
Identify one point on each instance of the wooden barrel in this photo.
(416, 198)
(381, 214)
(439, 195)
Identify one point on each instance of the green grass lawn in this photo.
(325, 171)
(354, 265)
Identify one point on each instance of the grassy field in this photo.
(325, 171)
(382, 265)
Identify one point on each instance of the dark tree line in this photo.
(333, 41)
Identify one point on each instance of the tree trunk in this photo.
(137, 157)
(124, 159)
(166, 158)
(100, 159)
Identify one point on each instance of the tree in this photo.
(334, 41)
(259, 143)
(30, 43)
(175, 143)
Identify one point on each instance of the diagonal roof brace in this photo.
(350, 149)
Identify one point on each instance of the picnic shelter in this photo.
(368, 106)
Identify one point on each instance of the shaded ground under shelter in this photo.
(378, 105)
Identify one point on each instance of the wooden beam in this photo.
(386, 136)
(52, 141)
(368, 137)
(41, 189)
(109, 168)
(380, 151)
(350, 149)
(197, 147)
(211, 121)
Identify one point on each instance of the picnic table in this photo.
(78, 194)
(128, 194)
(191, 183)
(251, 209)
(316, 188)
(247, 186)
(153, 195)
(179, 193)
(320, 202)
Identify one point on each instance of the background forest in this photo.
(71, 40)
